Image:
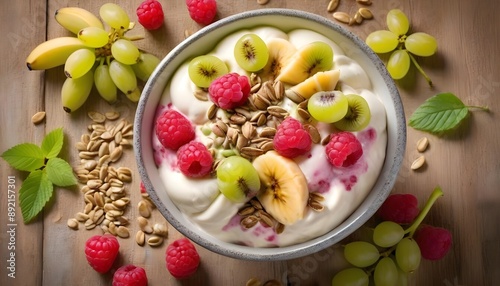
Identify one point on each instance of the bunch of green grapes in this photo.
(109, 60)
(403, 47)
(390, 254)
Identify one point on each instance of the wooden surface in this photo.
(465, 164)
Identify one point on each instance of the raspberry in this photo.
(130, 275)
(143, 188)
(399, 208)
(101, 251)
(292, 139)
(194, 160)
(202, 11)
(174, 129)
(343, 149)
(150, 14)
(182, 258)
(230, 90)
(434, 242)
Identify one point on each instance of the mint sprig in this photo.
(46, 170)
(440, 113)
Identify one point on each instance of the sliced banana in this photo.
(321, 81)
(280, 53)
(284, 191)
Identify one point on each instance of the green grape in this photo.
(402, 278)
(75, 91)
(328, 106)
(93, 37)
(123, 76)
(387, 234)
(386, 273)
(408, 255)
(382, 41)
(79, 63)
(421, 44)
(237, 179)
(398, 64)
(114, 16)
(351, 277)
(397, 22)
(145, 66)
(125, 52)
(251, 53)
(361, 253)
(104, 83)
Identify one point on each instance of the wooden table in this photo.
(465, 163)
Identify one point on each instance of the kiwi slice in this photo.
(251, 53)
(204, 69)
(358, 114)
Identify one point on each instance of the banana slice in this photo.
(321, 81)
(280, 53)
(284, 191)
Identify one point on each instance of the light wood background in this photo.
(465, 164)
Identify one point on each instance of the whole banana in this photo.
(53, 53)
(75, 91)
(74, 19)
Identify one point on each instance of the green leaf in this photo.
(25, 157)
(60, 172)
(35, 192)
(439, 113)
(52, 143)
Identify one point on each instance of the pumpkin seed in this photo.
(418, 163)
(38, 117)
(422, 144)
(342, 17)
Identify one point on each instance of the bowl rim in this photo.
(355, 220)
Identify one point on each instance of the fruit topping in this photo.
(328, 106)
(150, 14)
(202, 11)
(284, 193)
(434, 242)
(237, 179)
(358, 114)
(174, 129)
(292, 139)
(182, 258)
(204, 69)
(343, 149)
(308, 60)
(280, 52)
(399, 208)
(250, 52)
(194, 159)
(321, 81)
(130, 275)
(101, 252)
(230, 90)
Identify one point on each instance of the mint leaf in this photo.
(52, 143)
(24, 157)
(35, 192)
(439, 113)
(60, 173)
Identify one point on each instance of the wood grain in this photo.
(465, 163)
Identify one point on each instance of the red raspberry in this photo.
(174, 129)
(101, 251)
(230, 90)
(292, 139)
(150, 14)
(130, 275)
(143, 188)
(202, 11)
(194, 160)
(182, 258)
(343, 149)
(399, 208)
(434, 242)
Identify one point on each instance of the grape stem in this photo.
(134, 38)
(436, 194)
(419, 68)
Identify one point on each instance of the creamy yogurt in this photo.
(343, 188)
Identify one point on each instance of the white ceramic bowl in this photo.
(203, 41)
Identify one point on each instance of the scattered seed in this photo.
(358, 18)
(160, 229)
(342, 17)
(155, 240)
(73, 223)
(122, 232)
(112, 115)
(332, 5)
(38, 117)
(365, 13)
(96, 116)
(144, 210)
(422, 144)
(140, 237)
(262, 2)
(364, 2)
(418, 163)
